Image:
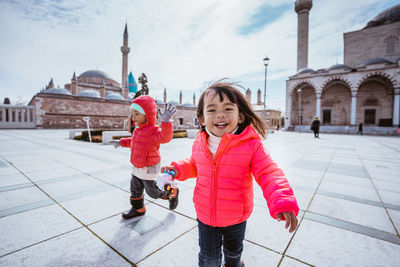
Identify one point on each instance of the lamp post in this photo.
(299, 92)
(266, 61)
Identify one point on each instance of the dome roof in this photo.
(114, 96)
(96, 73)
(306, 70)
(388, 16)
(376, 60)
(89, 93)
(189, 105)
(57, 90)
(174, 103)
(338, 66)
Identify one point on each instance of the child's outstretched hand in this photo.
(167, 169)
(168, 112)
(290, 218)
(115, 143)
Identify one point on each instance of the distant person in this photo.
(145, 156)
(360, 129)
(315, 127)
(226, 155)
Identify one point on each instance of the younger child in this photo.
(145, 156)
(226, 154)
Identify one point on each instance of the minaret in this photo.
(74, 85)
(165, 95)
(302, 8)
(248, 95)
(125, 51)
(259, 97)
(180, 97)
(194, 99)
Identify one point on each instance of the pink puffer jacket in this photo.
(223, 193)
(145, 141)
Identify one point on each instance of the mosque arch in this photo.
(375, 100)
(336, 101)
(303, 113)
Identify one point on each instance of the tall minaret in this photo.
(302, 8)
(125, 51)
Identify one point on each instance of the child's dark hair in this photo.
(236, 97)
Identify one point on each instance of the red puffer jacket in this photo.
(223, 194)
(145, 141)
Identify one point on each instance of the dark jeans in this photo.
(212, 238)
(138, 185)
(316, 133)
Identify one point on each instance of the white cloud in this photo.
(180, 45)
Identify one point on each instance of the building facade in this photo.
(364, 89)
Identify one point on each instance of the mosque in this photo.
(364, 89)
(96, 95)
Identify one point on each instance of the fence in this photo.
(16, 116)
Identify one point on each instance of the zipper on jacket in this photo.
(214, 198)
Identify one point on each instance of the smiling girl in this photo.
(226, 155)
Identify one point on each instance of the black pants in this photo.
(316, 133)
(138, 185)
(211, 239)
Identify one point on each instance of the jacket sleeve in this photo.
(273, 182)
(126, 142)
(164, 133)
(186, 169)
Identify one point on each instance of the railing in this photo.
(15, 116)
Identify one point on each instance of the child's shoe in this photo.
(241, 262)
(172, 196)
(132, 213)
(138, 208)
(173, 199)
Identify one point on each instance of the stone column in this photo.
(396, 107)
(302, 8)
(318, 105)
(353, 108)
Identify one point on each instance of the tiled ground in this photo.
(61, 202)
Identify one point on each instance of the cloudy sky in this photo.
(179, 44)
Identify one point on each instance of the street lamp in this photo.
(266, 61)
(299, 92)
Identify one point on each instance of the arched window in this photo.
(391, 44)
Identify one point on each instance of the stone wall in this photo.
(67, 111)
(367, 43)
(63, 111)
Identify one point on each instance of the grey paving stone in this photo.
(76, 248)
(323, 245)
(28, 228)
(135, 246)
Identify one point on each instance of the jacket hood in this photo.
(148, 104)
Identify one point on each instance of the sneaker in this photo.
(173, 199)
(132, 213)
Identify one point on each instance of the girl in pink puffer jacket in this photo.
(226, 155)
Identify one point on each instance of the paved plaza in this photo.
(61, 202)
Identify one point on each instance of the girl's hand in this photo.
(290, 218)
(167, 169)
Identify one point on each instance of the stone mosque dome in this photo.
(376, 60)
(306, 70)
(57, 90)
(114, 96)
(96, 73)
(338, 66)
(89, 93)
(388, 16)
